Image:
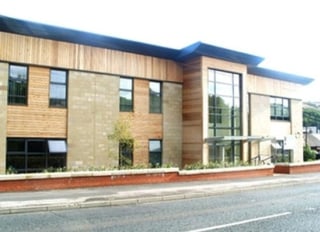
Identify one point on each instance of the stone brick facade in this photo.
(93, 109)
(172, 124)
(3, 114)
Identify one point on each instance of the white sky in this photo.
(285, 33)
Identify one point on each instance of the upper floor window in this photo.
(280, 108)
(155, 97)
(58, 88)
(224, 103)
(126, 94)
(18, 85)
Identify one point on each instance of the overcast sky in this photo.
(285, 33)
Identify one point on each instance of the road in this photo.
(294, 208)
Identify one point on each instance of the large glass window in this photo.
(280, 108)
(35, 155)
(224, 107)
(58, 88)
(126, 94)
(155, 153)
(155, 97)
(18, 85)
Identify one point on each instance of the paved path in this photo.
(19, 202)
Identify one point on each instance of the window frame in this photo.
(152, 108)
(14, 96)
(157, 153)
(126, 107)
(284, 112)
(53, 101)
(222, 116)
(27, 156)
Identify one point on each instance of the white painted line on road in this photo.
(241, 222)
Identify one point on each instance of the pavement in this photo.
(36, 201)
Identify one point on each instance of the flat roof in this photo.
(28, 28)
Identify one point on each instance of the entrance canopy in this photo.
(238, 138)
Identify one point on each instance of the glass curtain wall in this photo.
(224, 102)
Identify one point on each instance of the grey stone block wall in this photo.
(3, 114)
(172, 123)
(93, 108)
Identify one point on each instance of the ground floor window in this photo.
(225, 152)
(126, 154)
(155, 153)
(25, 155)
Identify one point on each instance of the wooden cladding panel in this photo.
(192, 113)
(223, 65)
(192, 94)
(36, 119)
(36, 51)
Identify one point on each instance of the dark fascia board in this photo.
(34, 29)
(279, 75)
(202, 49)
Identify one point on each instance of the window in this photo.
(126, 96)
(125, 154)
(18, 85)
(224, 103)
(58, 88)
(155, 98)
(155, 153)
(280, 108)
(35, 155)
(224, 114)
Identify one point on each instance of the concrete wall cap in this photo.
(219, 170)
(86, 174)
(299, 164)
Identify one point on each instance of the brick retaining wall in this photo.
(49, 181)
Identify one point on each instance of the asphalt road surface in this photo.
(294, 208)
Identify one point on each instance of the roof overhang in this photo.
(28, 28)
(201, 49)
(279, 75)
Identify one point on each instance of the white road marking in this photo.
(241, 222)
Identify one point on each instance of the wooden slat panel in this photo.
(174, 72)
(192, 113)
(36, 51)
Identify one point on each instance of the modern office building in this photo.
(63, 92)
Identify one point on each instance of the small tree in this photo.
(122, 134)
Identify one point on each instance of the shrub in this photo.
(214, 164)
(308, 154)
